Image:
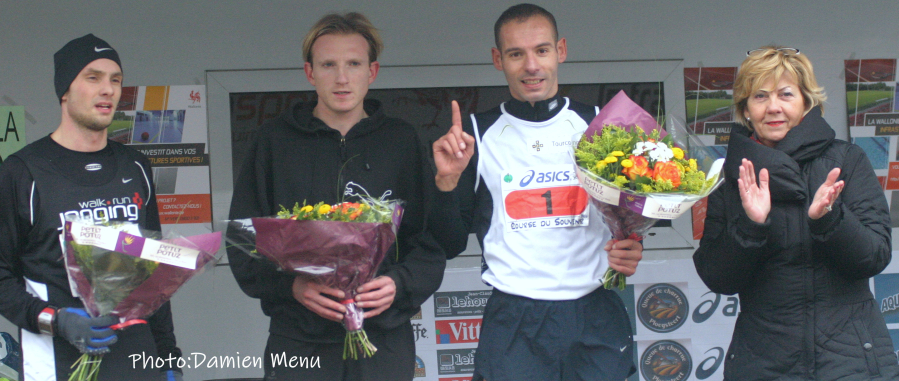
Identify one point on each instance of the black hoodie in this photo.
(297, 158)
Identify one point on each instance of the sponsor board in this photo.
(711, 364)
(455, 361)
(460, 303)
(886, 294)
(662, 308)
(666, 361)
(457, 331)
(419, 331)
(419, 368)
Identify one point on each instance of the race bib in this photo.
(542, 198)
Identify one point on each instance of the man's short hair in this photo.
(521, 13)
(345, 24)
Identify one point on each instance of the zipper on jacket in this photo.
(343, 149)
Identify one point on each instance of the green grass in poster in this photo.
(118, 125)
(866, 98)
(707, 107)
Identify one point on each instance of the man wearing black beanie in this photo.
(76, 170)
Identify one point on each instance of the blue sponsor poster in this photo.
(886, 293)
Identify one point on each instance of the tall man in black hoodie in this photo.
(310, 153)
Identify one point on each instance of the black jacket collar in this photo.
(301, 118)
(539, 112)
(806, 141)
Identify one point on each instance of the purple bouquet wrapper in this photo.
(153, 292)
(621, 111)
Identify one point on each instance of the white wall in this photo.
(169, 42)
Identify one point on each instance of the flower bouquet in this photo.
(339, 246)
(637, 173)
(119, 270)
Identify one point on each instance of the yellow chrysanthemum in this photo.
(627, 163)
(611, 159)
(600, 165)
(678, 153)
(306, 209)
(693, 166)
(617, 153)
(324, 209)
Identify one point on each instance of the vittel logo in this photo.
(458, 331)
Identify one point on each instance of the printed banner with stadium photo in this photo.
(708, 95)
(873, 117)
(168, 125)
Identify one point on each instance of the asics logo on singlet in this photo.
(545, 177)
(99, 211)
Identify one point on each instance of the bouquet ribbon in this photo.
(115, 240)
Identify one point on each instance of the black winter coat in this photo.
(296, 157)
(807, 312)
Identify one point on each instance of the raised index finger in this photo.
(457, 119)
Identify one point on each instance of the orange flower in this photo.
(640, 168)
(667, 170)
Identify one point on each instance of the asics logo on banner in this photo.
(101, 210)
(98, 49)
(545, 177)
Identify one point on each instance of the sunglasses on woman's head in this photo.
(786, 51)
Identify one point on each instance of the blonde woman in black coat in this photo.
(797, 230)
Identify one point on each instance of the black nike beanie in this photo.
(75, 55)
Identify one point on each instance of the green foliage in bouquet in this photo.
(113, 276)
(364, 211)
(640, 162)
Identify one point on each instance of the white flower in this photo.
(642, 147)
(661, 152)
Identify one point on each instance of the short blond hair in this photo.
(344, 24)
(770, 62)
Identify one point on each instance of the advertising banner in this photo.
(873, 117)
(709, 98)
(168, 125)
(12, 130)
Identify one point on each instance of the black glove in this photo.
(90, 335)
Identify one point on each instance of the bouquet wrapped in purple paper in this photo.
(120, 270)
(340, 246)
(637, 173)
